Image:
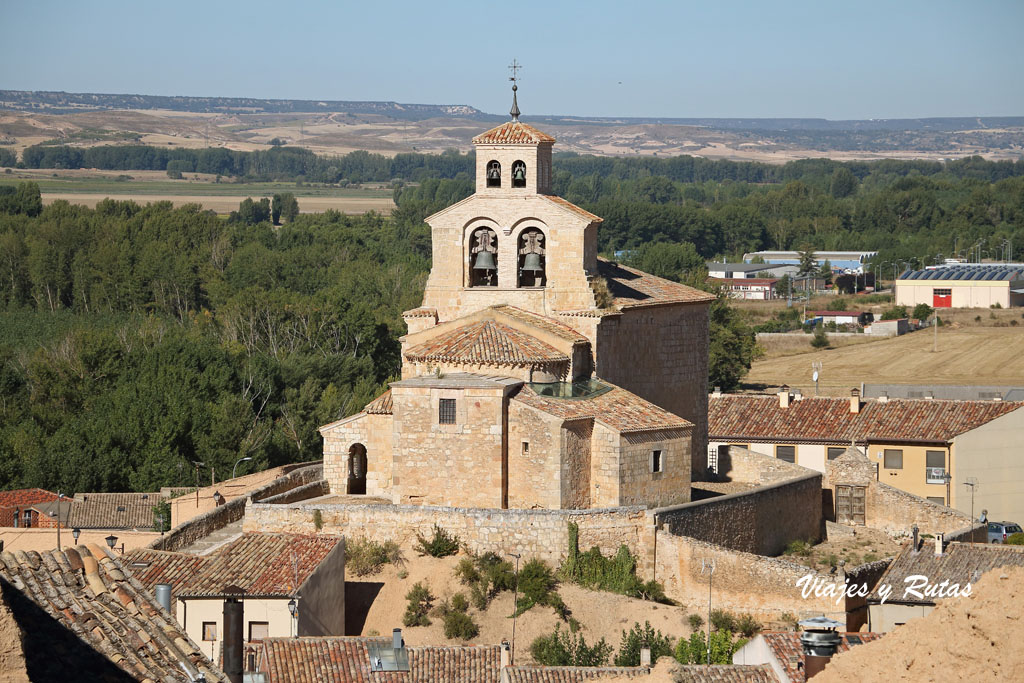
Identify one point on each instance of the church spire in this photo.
(515, 67)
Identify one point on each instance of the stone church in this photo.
(535, 374)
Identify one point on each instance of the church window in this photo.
(483, 258)
(446, 411)
(526, 448)
(519, 174)
(657, 464)
(493, 174)
(532, 259)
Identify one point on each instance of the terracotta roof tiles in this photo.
(786, 647)
(543, 322)
(824, 419)
(380, 406)
(719, 673)
(151, 567)
(486, 342)
(634, 288)
(84, 615)
(113, 510)
(512, 133)
(618, 409)
(327, 659)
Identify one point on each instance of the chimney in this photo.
(645, 656)
(506, 652)
(855, 401)
(797, 395)
(784, 396)
(915, 531)
(938, 545)
(717, 392)
(883, 397)
(396, 639)
(233, 639)
(929, 396)
(820, 641)
(163, 596)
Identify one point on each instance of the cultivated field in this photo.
(967, 354)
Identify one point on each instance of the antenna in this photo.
(972, 483)
(816, 366)
(514, 67)
(710, 566)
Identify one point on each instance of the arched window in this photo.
(519, 174)
(357, 469)
(532, 260)
(493, 174)
(483, 258)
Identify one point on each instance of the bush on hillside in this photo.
(418, 610)
(365, 557)
(616, 574)
(640, 637)
(441, 544)
(562, 648)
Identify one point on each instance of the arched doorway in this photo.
(357, 469)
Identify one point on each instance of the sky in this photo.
(716, 58)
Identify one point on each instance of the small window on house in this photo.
(446, 411)
(526, 448)
(657, 463)
(937, 499)
(835, 451)
(787, 453)
(209, 630)
(893, 459)
(935, 459)
(259, 630)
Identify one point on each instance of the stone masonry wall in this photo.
(660, 353)
(534, 533)
(575, 474)
(639, 484)
(760, 521)
(745, 465)
(374, 433)
(534, 477)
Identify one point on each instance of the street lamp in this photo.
(76, 532)
(112, 542)
(60, 497)
(245, 459)
(197, 465)
(293, 609)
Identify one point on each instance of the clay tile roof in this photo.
(685, 674)
(261, 564)
(486, 342)
(325, 659)
(512, 132)
(380, 405)
(151, 567)
(422, 312)
(543, 322)
(634, 288)
(785, 646)
(566, 204)
(961, 563)
(829, 419)
(19, 497)
(83, 615)
(113, 510)
(618, 409)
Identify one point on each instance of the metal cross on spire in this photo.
(514, 67)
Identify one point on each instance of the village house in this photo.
(266, 572)
(912, 444)
(900, 596)
(535, 375)
(78, 614)
(31, 508)
(755, 289)
(783, 653)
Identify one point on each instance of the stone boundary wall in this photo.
(762, 521)
(895, 511)
(304, 492)
(203, 525)
(542, 534)
(751, 467)
(742, 582)
(976, 533)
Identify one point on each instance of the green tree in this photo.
(820, 339)
(843, 183)
(922, 311)
(808, 264)
(731, 346)
(639, 637)
(562, 648)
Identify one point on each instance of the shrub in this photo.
(895, 313)
(922, 312)
(459, 603)
(870, 557)
(696, 621)
(839, 304)
(318, 520)
(441, 544)
(747, 625)
(486, 575)
(1015, 539)
(723, 620)
(365, 557)
(418, 610)
(820, 339)
(538, 586)
(174, 174)
(977, 318)
(615, 575)
(640, 637)
(801, 548)
(568, 649)
(459, 625)
(695, 650)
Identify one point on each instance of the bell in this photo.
(520, 173)
(484, 261)
(532, 263)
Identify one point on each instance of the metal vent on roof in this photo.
(121, 508)
(145, 496)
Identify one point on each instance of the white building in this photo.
(969, 285)
(846, 260)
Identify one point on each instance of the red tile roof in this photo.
(486, 342)
(512, 132)
(160, 566)
(633, 288)
(380, 405)
(566, 204)
(541, 321)
(113, 510)
(719, 673)
(261, 564)
(84, 618)
(618, 409)
(961, 563)
(759, 418)
(347, 660)
(421, 312)
(785, 646)
(26, 497)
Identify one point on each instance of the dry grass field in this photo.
(967, 354)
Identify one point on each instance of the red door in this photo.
(942, 298)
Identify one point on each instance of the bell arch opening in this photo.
(357, 470)
(532, 266)
(493, 173)
(519, 174)
(483, 258)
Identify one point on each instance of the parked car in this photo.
(998, 531)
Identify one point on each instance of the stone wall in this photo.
(760, 521)
(741, 582)
(857, 606)
(639, 483)
(305, 492)
(374, 433)
(533, 533)
(534, 475)
(744, 465)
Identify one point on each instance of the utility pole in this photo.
(973, 483)
(197, 465)
(710, 566)
(515, 609)
(935, 335)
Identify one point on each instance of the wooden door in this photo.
(850, 508)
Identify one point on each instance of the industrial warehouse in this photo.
(969, 285)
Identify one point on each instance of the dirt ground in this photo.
(977, 638)
(353, 205)
(851, 545)
(602, 615)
